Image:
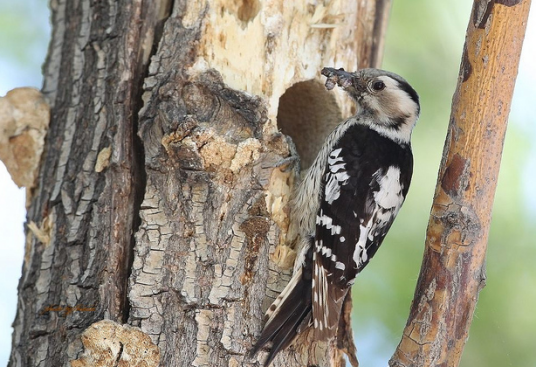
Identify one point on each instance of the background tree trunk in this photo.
(453, 268)
(160, 199)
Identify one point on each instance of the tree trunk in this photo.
(453, 268)
(161, 202)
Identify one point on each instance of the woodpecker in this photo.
(346, 204)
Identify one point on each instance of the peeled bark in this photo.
(453, 268)
(161, 202)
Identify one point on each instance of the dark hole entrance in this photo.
(308, 113)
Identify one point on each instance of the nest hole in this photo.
(308, 113)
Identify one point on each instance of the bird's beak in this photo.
(353, 83)
(338, 77)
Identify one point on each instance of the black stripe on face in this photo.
(411, 92)
(398, 122)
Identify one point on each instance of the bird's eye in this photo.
(378, 86)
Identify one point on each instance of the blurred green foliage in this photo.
(24, 35)
(424, 44)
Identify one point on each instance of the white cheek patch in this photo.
(395, 112)
(404, 104)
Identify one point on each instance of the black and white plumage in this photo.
(346, 204)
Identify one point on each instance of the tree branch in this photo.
(453, 270)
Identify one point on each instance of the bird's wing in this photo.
(360, 200)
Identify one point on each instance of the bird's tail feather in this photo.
(326, 310)
(291, 308)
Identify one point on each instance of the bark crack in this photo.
(119, 355)
(139, 174)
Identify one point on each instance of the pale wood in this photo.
(453, 269)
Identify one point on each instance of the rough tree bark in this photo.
(453, 268)
(159, 206)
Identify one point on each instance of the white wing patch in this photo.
(388, 199)
(325, 221)
(390, 193)
(335, 177)
(333, 157)
(360, 252)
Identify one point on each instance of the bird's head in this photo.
(385, 100)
